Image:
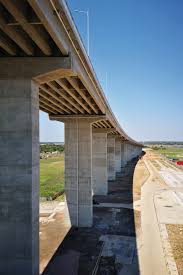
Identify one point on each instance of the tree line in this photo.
(45, 148)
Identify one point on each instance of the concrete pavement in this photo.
(152, 261)
(161, 205)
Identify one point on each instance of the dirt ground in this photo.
(175, 233)
(52, 230)
(141, 174)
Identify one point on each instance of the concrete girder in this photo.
(40, 69)
(103, 130)
(90, 118)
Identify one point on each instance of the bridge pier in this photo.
(118, 154)
(99, 162)
(135, 153)
(123, 154)
(111, 157)
(78, 171)
(128, 152)
(19, 177)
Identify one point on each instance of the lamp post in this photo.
(88, 28)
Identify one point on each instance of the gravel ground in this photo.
(175, 233)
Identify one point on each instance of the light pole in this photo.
(88, 28)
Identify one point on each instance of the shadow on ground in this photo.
(109, 247)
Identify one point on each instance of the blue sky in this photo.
(139, 45)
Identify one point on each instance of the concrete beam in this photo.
(19, 177)
(44, 11)
(78, 171)
(89, 118)
(68, 41)
(99, 162)
(103, 130)
(111, 157)
(41, 69)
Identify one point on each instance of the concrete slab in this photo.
(152, 259)
(136, 205)
(172, 176)
(121, 247)
(115, 205)
(169, 210)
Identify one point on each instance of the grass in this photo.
(171, 152)
(51, 176)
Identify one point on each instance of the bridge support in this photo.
(117, 154)
(128, 151)
(78, 171)
(111, 157)
(124, 154)
(99, 162)
(19, 177)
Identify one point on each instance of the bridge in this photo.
(44, 66)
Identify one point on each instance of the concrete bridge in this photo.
(44, 66)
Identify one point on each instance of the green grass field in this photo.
(171, 152)
(51, 176)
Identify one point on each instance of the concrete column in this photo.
(135, 153)
(138, 150)
(127, 152)
(117, 154)
(131, 152)
(19, 177)
(99, 163)
(123, 154)
(78, 171)
(111, 157)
